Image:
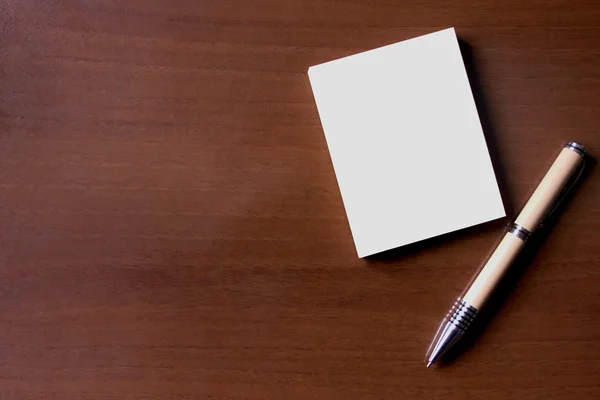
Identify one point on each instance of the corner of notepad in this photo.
(311, 74)
(314, 68)
(311, 71)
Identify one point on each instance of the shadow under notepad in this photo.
(487, 125)
(390, 256)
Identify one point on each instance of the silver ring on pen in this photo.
(576, 147)
(520, 232)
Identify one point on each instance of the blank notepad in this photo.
(406, 142)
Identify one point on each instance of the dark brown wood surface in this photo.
(171, 227)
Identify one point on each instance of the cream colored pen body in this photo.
(539, 205)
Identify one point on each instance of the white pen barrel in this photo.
(535, 210)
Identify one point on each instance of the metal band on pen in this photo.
(462, 315)
(576, 147)
(520, 232)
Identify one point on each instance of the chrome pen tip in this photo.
(429, 364)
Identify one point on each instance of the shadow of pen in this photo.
(518, 268)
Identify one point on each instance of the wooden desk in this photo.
(172, 227)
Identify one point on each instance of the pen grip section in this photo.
(493, 270)
(548, 190)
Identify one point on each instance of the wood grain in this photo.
(171, 227)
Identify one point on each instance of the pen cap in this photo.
(550, 187)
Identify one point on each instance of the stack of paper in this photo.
(406, 142)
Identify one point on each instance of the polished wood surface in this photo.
(171, 227)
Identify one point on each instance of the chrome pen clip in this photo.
(579, 149)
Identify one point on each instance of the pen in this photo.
(541, 203)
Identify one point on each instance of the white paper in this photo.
(406, 142)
